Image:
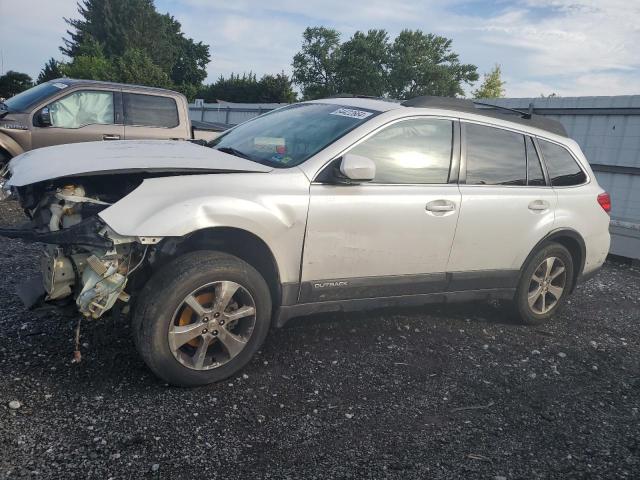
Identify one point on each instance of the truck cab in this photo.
(71, 111)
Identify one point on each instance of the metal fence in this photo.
(607, 129)
(229, 113)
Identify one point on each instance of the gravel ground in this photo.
(438, 392)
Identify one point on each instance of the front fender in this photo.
(10, 145)
(272, 206)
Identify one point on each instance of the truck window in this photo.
(150, 110)
(82, 108)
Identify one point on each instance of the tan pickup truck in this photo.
(70, 111)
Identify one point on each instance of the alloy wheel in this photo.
(212, 325)
(547, 285)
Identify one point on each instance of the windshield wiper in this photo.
(236, 152)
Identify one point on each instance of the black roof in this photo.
(487, 110)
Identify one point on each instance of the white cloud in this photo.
(570, 47)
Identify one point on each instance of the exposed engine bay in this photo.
(83, 258)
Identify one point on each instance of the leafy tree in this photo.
(368, 64)
(135, 66)
(315, 66)
(276, 89)
(423, 64)
(247, 88)
(12, 83)
(363, 63)
(50, 71)
(90, 63)
(121, 26)
(492, 85)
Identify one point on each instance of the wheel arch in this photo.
(572, 241)
(235, 241)
(10, 146)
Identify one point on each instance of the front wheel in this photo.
(201, 318)
(545, 282)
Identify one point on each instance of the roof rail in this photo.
(355, 95)
(489, 110)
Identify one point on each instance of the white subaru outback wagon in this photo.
(334, 204)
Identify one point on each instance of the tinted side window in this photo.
(411, 151)
(535, 176)
(562, 167)
(82, 108)
(494, 156)
(150, 110)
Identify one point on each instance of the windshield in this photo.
(22, 101)
(290, 135)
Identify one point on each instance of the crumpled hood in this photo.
(105, 157)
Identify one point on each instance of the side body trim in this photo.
(285, 313)
(328, 290)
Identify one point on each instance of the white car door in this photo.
(508, 205)
(391, 236)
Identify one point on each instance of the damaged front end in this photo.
(84, 260)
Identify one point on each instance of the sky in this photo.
(566, 47)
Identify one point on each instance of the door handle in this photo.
(108, 136)
(539, 206)
(441, 206)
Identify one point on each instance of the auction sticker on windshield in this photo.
(351, 113)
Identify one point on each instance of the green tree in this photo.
(315, 66)
(12, 83)
(248, 89)
(423, 64)
(121, 26)
(50, 71)
(492, 85)
(90, 63)
(276, 89)
(135, 66)
(363, 64)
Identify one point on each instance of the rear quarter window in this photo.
(150, 110)
(563, 169)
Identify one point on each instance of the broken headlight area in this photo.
(97, 278)
(84, 259)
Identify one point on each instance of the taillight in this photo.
(605, 201)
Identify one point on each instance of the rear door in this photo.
(81, 116)
(507, 206)
(152, 116)
(391, 236)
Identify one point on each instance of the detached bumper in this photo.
(83, 233)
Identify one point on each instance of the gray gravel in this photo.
(438, 392)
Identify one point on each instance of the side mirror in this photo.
(357, 168)
(43, 117)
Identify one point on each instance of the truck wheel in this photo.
(544, 285)
(201, 318)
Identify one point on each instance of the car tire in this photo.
(545, 283)
(190, 298)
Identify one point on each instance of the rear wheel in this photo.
(544, 284)
(201, 318)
